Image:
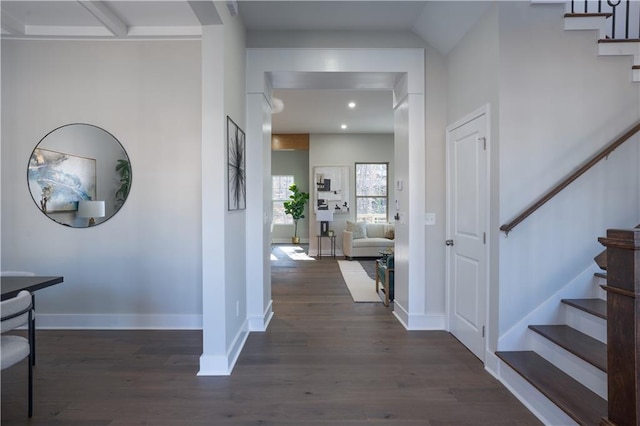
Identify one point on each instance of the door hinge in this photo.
(484, 238)
(483, 331)
(484, 143)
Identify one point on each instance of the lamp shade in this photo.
(324, 215)
(90, 208)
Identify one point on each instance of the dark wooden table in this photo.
(11, 286)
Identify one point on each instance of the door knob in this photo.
(449, 242)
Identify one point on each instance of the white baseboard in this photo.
(418, 321)
(222, 365)
(288, 240)
(118, 321)
(260, 323)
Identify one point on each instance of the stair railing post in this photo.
(623, 326)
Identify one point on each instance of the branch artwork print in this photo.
(237, 184)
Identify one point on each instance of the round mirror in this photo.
(79, 175)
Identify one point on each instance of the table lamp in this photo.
(91, 209)
(324, 217)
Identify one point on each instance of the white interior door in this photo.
(467, 201)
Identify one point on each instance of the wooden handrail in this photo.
(507, 227)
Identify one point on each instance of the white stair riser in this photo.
(546, 411)
(585, 373)
(612, 49)
(599, 292)
(598, 23)
(586, 323)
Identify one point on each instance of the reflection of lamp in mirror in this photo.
(324, 217)
(91, 209)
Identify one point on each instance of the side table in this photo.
(332, 238)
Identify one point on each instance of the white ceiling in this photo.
(440, 23)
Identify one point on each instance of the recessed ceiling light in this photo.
(352, 104)
(344, 126)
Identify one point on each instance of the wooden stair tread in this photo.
(636, 67)
(601, 275)
(587, 15)
(581, 404)
(597, 307)
(585, 347)
(619, 40)
(601, 260)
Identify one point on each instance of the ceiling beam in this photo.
(206, 12)
(11, 25)
(104, 14)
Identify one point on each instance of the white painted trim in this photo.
(217, 365)
(260, 323)
(418, 321)
(119, 321)
(262, 63)
(214, 365)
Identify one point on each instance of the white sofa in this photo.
(367, 239)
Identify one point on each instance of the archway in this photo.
(399, 70)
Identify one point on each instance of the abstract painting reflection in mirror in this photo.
(62, 179)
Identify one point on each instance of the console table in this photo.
(332, 238)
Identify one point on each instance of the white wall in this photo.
(346, 150)
(142, 267)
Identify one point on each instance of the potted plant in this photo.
(295, 208)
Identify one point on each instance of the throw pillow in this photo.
(359, 229)
(390, 232)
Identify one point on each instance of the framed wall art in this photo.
(236, 167)
(60, 180)
(331, 188)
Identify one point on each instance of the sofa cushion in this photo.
(375, 230)
(359, 229)
(372, 242)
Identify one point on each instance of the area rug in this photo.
(360, 285)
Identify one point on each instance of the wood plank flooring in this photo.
(323, 361)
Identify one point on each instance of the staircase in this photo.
(617, 26)
(562, 374)
(569, 362)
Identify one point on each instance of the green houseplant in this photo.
(123, 168)
(295, 208)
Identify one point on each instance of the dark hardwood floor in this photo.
(323, 361)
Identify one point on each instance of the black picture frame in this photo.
(236, 167)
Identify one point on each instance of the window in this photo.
(371, 192)
(280, 193)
